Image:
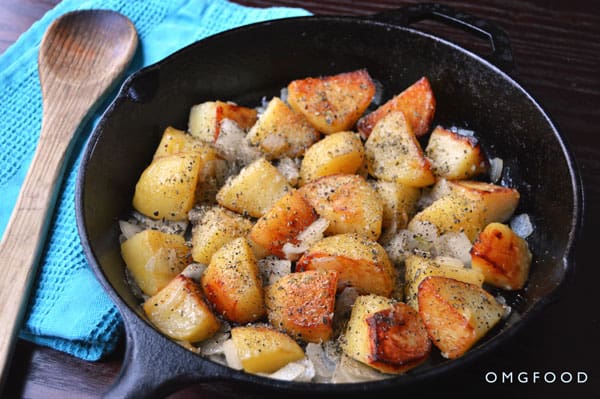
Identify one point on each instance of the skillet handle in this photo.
(501, 55)
(153, 367)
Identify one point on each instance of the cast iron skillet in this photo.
(245, 64)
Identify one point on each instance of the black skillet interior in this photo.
(246, 64)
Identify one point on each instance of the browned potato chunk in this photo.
(454, 156)
(360, 263)
(456, 314)
(386, 335)
(394, 154)
(215, 228)
(254, 190)
(502, 256)
(154, 258)
(302, 304)
(205, 119)
(417, 103)
(418, 268)
(232, 283)
(264, 350)
(332, 103)
(341, 152)
(281, 132)
(348, 202)
(282, 223)
(180, 312)
(167, 188)
(399, 203)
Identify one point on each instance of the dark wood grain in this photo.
(556, 46)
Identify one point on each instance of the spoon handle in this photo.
(25, 234)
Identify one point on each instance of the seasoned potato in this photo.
(417, 103)
(332, 103)
(302, 304)
(264, 350)
(216, 227)
(341, 152)
(179, 311)
(283, 222)
(167, 188)
(454, 156)
(453, 213)
(399, 203)
(232, 283)
(348, 202)
(205, 119)
(154, 258)
(418, 268)
(254, 190)
(394, 154)
(386, 335)
(456, 314)
(281, 132)
(502, 256)
(360, 263)
(175, 141)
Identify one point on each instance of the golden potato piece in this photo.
(454, 156)
(254, 190)
(456, 314)
(417, 103)
(360, 263)
(418, 268)
(394, 154)
(175, 141)
(332, 103)
(341, 152)
(386, 335)
(167, 187)
(263, 349)
(154, 258)
(179, 311)
(205, 119)
(232, 283)
(281, 132)
(216, 227)
(502, 256)
(348, 202)
(399, 203)
(282, 223)
(302, 304)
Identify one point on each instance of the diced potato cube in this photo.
(348, 202)
(167, 188)
(386, 335)
(154, 258)
(332, 103)
(360, 263)
(456, 314)
(399, 203)
(291, 215)
(232, 283)
(205, 119)
(254, 190)
(281, 132)
(302, 304)
(502, 256)
(394, 154)
(179, 311)
(454, 156)
(176, 141)
(216, 227)
(263, 349)
(418, 268)
(417, 103)
(341, 152)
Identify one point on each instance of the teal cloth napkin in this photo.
(68, 309)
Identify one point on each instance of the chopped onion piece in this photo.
(426, 233)
(324, 365)
(455, 245)
(309, 236)
(283, 94)
(399, 247)
(301, 370)
(166, 226)
(521, 225)
(194, 271)
(496, 165)
(214, 344)
(231, 355)
(350, 370)
(272, 269)
(290, 169)
(129, 229)
(231, 144)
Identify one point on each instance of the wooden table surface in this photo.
(556, 46)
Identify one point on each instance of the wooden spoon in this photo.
(81, 55)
